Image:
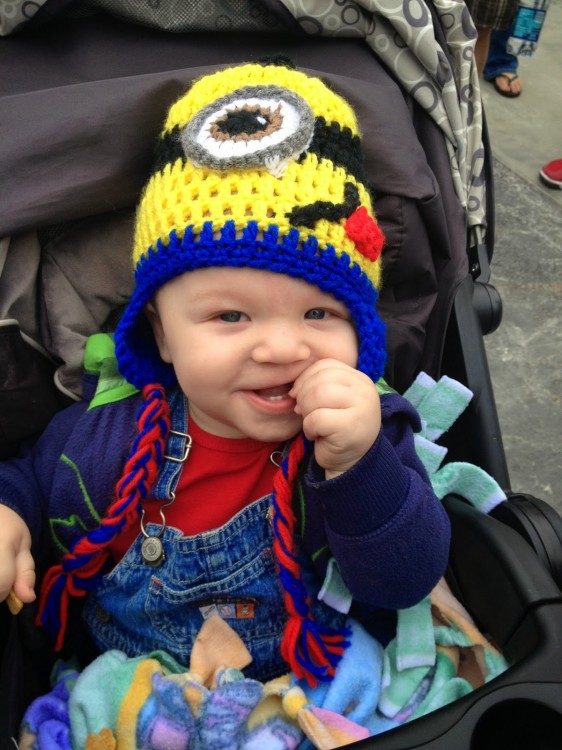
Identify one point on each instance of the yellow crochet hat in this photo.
(258, 165)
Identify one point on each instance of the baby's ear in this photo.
(155, 321)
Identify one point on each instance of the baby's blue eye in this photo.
(231, 317)
(315, 314)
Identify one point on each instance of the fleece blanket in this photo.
(152, 702)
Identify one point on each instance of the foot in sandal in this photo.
(508, 84)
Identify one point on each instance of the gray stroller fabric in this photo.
(61, 291)
(434, 65)
(99, 89)
(179, 16)
(16, 14)
(170, 15)
(444, 81)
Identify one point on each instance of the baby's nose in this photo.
(282, 346)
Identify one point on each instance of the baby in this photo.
(253, 465)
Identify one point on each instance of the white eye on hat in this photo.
(252, 127)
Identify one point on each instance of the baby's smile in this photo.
(275, 393)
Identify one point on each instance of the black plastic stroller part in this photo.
(488, 305)
(26, 661)
(539, 524)
(499, 603)
(486, 299)
(476, 437)
(28, 397)
(517, 605)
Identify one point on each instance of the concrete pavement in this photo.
(525, 353)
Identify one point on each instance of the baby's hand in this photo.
(17, 568)
(341, 412)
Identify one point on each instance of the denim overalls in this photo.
(229, 571)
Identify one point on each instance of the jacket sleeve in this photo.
(382, 522)
(25, 481)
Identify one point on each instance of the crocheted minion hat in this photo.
(257, 166)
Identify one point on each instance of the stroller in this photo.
(83, 97)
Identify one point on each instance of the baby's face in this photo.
(238, 338)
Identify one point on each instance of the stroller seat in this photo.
(81, 102)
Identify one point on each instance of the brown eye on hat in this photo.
(253, 127)
(250, 122)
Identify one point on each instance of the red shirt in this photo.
(220, 477)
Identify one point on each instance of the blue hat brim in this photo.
(137, 353)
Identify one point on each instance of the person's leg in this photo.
(481, 48)
(501, 67)
(499, 60)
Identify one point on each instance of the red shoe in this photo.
(551, 174)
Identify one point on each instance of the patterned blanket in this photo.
(151, 702)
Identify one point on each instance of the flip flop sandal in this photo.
(509, 78)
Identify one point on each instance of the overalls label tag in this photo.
(229, 608)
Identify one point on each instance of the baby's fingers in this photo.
(24, 582)
(7, 571)
(17, 569)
